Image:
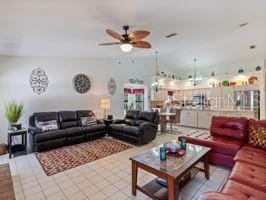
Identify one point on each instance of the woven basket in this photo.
(3, 148)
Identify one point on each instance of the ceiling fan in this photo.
(128, 40)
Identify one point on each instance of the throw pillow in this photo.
(257, 136)
(47, 125)
(88, 121)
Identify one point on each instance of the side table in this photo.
(107, 122)
(17, 148)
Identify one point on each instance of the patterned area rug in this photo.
(58, 160)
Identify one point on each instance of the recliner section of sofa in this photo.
(138, 127)
(70, 130)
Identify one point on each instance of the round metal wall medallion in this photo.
(81, 83)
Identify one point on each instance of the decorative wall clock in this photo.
(111, 86)
(38, 81)
(81, 83)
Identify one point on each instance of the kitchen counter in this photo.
(215, 110)
(202, 118)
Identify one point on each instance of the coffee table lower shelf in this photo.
(157, 191)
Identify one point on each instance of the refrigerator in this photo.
(248, 100)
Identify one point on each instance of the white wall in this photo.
(60, 95)
(222, 69)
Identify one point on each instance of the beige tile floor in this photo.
(107, 178)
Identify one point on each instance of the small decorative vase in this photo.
(162, 153)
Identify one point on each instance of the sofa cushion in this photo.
(116, 127)
(225, 145)
(257, 158)
(50, 135)
(68, 119)
(249, 147)
(75, 131)
(217, 144)
(131, 130)
(241, 191)
(231, 127)
(146, 116)
(95, 128)
(131, 122)
(45, 116)
(249, 175)
(132, 114)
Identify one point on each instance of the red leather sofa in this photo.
(228, 142)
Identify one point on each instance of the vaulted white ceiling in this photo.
(207, 29)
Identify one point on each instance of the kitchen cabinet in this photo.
(227, 98)
(252, 87)
(205, 118)
(188, 94)
(189, 118)
(215, 97)
(161, 95)
(199, 92)
(176, 95)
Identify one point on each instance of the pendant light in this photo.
(194, 80)
(155, 84)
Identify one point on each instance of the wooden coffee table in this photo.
(173, 170)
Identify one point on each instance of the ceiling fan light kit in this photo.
(128, 40)
(126, 47)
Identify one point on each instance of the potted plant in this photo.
(13, 111)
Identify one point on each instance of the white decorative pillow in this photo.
(47, 125)
(88, 121)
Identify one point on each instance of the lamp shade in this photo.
(105, 103)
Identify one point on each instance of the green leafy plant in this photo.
(13, 111)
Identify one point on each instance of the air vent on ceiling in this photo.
(243, 24)
(171, 35)
(252, 47)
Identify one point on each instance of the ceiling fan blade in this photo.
(138, 35)
(141, 44)
(109, 43)
(114, 34)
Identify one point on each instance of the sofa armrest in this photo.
(147, 125)
(118, 121)
(34, 130)
(148, 132)
(216, 196)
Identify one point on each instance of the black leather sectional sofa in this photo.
(138, 127)
(70, 129)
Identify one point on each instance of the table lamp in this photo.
(105, 103)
